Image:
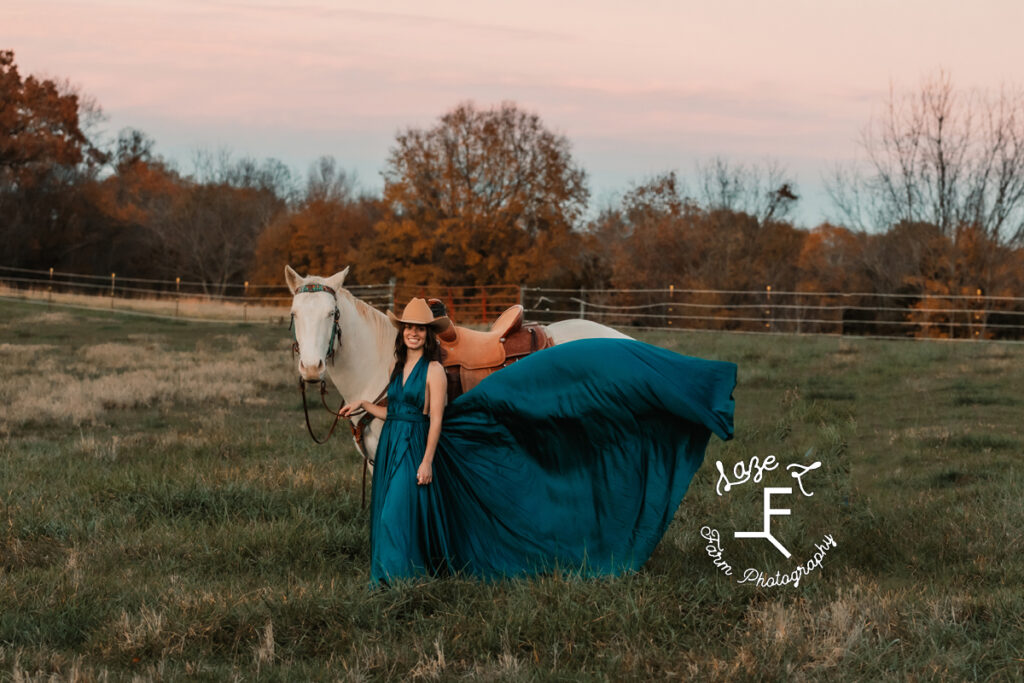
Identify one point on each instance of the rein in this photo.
(358, 428)
(323, 399)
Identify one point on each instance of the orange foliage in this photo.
(484, 196)
(830, 261)
(321, 237)
(39, 125)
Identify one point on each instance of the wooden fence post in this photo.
(671, 297)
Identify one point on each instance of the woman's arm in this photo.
(437, 394)
(379, 412)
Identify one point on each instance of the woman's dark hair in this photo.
(431, 349)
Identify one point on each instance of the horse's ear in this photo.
(293, 279)
(335, 281)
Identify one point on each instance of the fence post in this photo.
(112, 277)
(391, 294)
(799, 312)
(583, 304)
(521, 296)
(979, 319)
(177, 295)
(245, 302)
(952, 319)
(50, 287)
(671, 297)
(768, 310)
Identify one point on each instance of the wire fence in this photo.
(961, 315)
(917, 315)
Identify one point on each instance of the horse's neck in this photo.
(366, 353)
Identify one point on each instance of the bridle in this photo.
(359, 427)
(335, 326)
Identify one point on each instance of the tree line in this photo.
(491, 195)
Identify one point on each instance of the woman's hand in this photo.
(350, 408)
(425, 474)
(379, 412)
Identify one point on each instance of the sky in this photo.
(638, 88)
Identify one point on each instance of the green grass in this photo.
(164, 515)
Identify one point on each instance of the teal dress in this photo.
(573, 459)
(406, 519)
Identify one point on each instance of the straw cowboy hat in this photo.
(417, 312)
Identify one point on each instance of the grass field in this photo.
(164, 515)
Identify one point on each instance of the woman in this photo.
(572, 459)
(404, 528)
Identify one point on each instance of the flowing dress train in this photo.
(572, 459)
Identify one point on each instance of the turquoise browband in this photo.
(315, 288)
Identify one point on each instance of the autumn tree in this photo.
(647, 236)
(44, 158)
(659, 237)
(39, 127)
(664, 237)
(832, 259)
(130, 204)
(324, 232)
(484, 196)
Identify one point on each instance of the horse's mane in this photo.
(377, 321)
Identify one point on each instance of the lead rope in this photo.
(305, 409)
(357, 429)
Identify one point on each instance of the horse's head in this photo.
(315, 320)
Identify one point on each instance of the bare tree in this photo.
(219, 168)
(326, 181)
(764, 191)
(942, 156)
(209, 228)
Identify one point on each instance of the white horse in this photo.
(326, 317)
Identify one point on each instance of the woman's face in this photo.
(415, 336)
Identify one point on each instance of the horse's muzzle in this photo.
(311, 373)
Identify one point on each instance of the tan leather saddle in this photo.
(471, 355)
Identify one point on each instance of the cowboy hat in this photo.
(417, 312)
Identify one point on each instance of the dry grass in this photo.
(50, 386)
